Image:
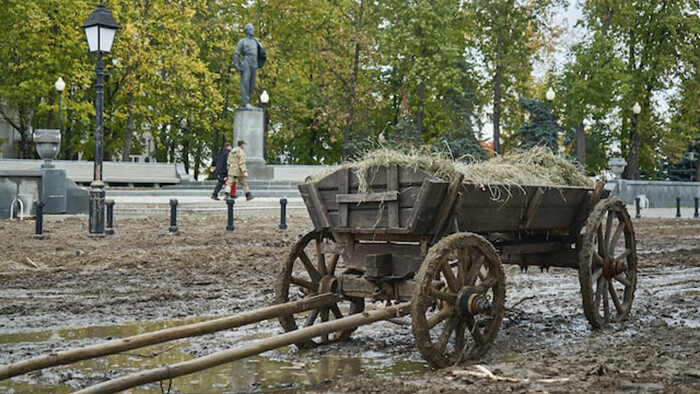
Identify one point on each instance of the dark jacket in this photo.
(220, 161)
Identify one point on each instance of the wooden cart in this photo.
(441, 246)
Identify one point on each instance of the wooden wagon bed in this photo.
(402, 234)
(402, 199)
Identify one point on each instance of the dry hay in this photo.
(536, 167)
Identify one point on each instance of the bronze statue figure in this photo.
(248, 58)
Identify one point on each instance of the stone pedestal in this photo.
(52, 190)
(249, 126)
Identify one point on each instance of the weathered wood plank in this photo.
(586, 207)
(306, 196)
(317, 204)
(407, 197)
(367, 197)
(343, 176)
(328, 182)
(425, 209)
(392, 183)
(447, 206)
(479, 210)
(545, 247)
(531, 210)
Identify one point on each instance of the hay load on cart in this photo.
(435, 233)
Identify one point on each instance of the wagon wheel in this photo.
(607, 264)
(307, 272)
(458, 301)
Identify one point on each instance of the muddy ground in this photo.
(50, 288)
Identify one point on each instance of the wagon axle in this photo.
(472, 303)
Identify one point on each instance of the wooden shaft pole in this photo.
(226, 356)
(152, 338)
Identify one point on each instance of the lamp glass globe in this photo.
(550, 94)
(636, 109)
(60, 84)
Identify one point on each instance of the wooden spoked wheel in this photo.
(458, 301)
(306, 272)
(608, 264)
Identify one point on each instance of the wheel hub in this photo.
(470, 302)
(613, 267)
(329, 284)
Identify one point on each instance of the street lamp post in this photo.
(100, 29)
(60, 86)
(265, 104)
(633, 167)
(550, 95)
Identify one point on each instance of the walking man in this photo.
(237, 169)
(218, 167)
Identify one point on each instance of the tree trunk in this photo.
(697, 169)
(128, 131)
(581, 145)
(632, 169)
(197, 160)
(497, 101)
(186, 155)
(353, 83)
(25, 148)
(420, 115)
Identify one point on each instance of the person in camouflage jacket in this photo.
(237, 170)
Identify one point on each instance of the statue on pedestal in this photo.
(248, 58)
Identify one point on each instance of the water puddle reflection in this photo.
(276, 370)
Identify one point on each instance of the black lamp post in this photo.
(60, 86)
(550, 95)
(100, 29)
(265, 104)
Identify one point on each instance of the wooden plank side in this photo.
(365, 219)
(330, 181)
(343, 177)
(376, 179)
(418, 205)
(305, 195)
(558, 208)
(447, 205)
(392, 183)
(409, 176)
(531, 210)
(376, 176)
(479, 211)
(425, 209)
(359, 198)
(319, 207)
(407, 197)
(586, 207)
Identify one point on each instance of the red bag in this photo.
(233, 189)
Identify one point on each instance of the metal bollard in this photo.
(173, 215)
(678, 207)
(39, 231)
(696, 214)
(230, 203)
(283, 213)
(637, 205)
(110, 217)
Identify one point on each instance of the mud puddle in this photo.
(142, 274)
(280, 370)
